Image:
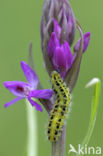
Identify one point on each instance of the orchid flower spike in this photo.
(59, 18)
(58, 30)
(23, 90)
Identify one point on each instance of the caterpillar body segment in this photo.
(60, 109)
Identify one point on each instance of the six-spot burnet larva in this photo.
(60, 109)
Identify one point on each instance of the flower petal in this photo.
(35, 104)
(68, 54)
(30, 74)
(60, 58)
(17, 88)
(86, 41)
(41, 94)
(12, 102)
(57, 29)
(53, 42)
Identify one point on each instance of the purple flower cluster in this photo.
(60, 53)
(29, 91)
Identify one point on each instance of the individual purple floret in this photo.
(60, 53)
(86, 42)
(27, 90)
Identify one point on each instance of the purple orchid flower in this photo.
(60, 53)
(27, 90)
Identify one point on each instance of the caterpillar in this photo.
(60, 109)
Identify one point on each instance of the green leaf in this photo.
(95, 100)
(30, 56)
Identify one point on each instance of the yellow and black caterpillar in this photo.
(60, 109)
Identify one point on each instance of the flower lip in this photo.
(17, 88)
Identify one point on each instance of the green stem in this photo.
(55, 149)
(58, 148)
(32, 130)
(62, 142)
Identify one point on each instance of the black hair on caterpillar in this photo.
(60, 109)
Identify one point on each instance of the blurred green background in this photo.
(20, 24)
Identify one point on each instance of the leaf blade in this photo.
(95, 101)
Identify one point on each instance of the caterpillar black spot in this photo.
(60, 109)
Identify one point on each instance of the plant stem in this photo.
(62, 142)
(58, 148)
(55, 149)
(32, 130)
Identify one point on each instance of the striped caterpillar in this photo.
(60, 109)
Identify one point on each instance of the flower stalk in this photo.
(59, 146)
(62, 141)
(32, 139)
(55, 149)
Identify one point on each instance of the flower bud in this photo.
(86, 42)
(57, 18)
(62, 12)
(57, 34)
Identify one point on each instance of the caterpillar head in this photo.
(55, 75)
